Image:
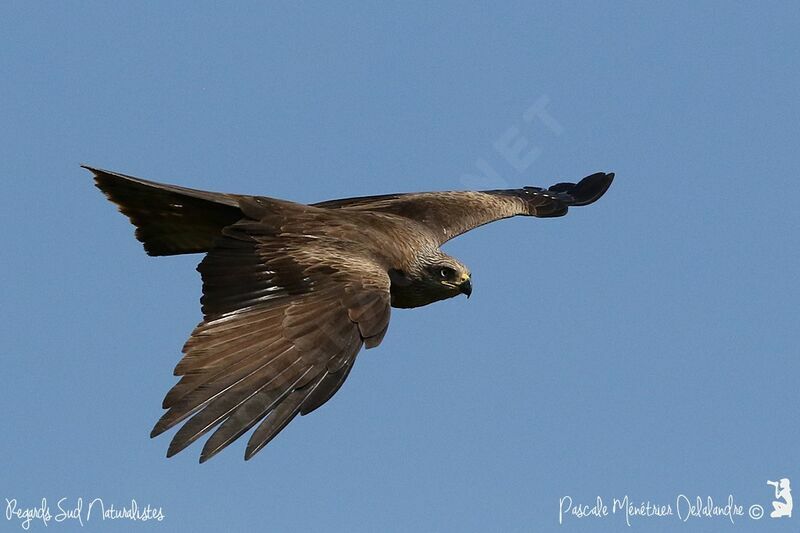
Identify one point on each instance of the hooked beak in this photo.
(465, 287)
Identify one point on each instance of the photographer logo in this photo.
(783, 492)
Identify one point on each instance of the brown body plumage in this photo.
(291, 292)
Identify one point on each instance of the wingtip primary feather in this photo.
(591, 188)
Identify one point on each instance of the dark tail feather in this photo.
(169, 219)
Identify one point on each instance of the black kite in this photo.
(291, 292)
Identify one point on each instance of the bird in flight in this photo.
(291, 292)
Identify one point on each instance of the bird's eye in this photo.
(445, 273)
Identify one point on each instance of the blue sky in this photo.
(644, 346)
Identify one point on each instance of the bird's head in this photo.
(448, 276)
(434, 277)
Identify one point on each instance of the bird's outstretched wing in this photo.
(449, 214)
(178, 220)
(284, 320)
